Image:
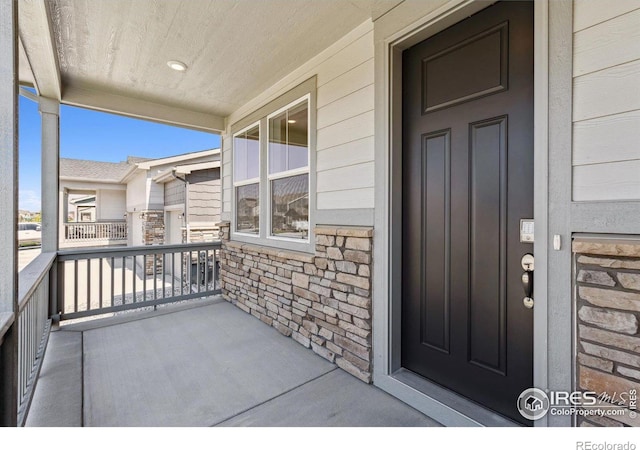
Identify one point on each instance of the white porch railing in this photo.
(33, 326)
(95, 231)
(99, 281)
(78, 283)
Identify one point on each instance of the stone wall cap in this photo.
(271, 251)
(609, 247)
(349, 231)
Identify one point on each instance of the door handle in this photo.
(527, 283)
(527, 263)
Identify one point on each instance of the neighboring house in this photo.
(92, 203)
(84, 208)
(25, 216)
(433, 147)
(140, 201)
(192, 201)
(156, 195)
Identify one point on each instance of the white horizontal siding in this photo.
(610, 181)
(349, 130)
(607, 139)
(356, 199)
(606, 100)
(607, 44)
(345, 120)
(353, 80)
(349, 154)
(354, 54)
(587, 13)
(345, 178)
(609, 91)
(346, 107)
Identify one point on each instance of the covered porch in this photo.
(206, 363)
(44, 48)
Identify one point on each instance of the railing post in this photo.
(53, 293)
(59, 304)
(9, 378)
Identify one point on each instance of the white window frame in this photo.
(288, 173)
(254, 180)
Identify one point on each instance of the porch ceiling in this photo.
(113, 55)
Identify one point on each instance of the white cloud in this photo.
(29, 200)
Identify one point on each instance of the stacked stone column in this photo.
(608, 338)
(153, 234)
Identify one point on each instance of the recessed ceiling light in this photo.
(291, 121)
(177, 65)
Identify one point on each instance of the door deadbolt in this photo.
(527, 262)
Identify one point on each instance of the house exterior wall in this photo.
(156, 192)
(320, 299)
(110, 205)
(135, 229)
(137, 193)
(606, 100)
(344, 123)
(174, 193)
(205, 197)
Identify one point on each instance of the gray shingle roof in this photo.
(94, 170)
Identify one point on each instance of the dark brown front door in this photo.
(467, 181)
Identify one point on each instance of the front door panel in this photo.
(467, 182)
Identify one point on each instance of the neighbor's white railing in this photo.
(95, 231)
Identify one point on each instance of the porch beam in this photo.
(50, 112)
(40, 47)
(9, 208)
(124, 105)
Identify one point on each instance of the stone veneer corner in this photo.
(321, 300)
(607, 323)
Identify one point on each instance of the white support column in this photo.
(9, 208)
(50, 112)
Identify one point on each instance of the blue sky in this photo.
(98, 136)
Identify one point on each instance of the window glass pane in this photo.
(290, 207)
(240, 157)
(278, 143)
(298, 155)
(289, 139)
(248, 208)
(246, 151)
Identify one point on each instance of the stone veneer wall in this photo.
(208, 234)
(608, 318)
(321, 300)
(153, 234)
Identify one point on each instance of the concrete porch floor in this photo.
(205, 364)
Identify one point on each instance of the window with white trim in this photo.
(288, 171)
(246, 179)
